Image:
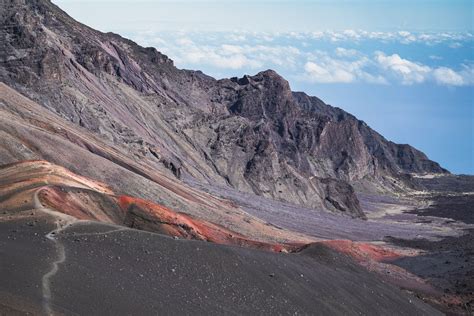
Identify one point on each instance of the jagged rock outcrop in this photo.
(252, 133)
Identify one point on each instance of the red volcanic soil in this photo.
(382, 261)
(144, 215)
(361, 251)
(80, 204)
(40, 184)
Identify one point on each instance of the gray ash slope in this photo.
(107, 270)
(253, 134)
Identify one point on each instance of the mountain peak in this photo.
(269, 73)
(252, 134)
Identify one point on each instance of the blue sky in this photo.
(404, 67)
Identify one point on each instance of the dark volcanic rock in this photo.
(448, 265)
(447, 183)
(456, 207)
(252, 133)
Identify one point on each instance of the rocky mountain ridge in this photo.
(252, 133)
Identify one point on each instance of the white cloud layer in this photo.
(407, 71)
(381, 69)
(447, 76)
(293, 53)
(410, 72)
(327, 73)
(322, 68)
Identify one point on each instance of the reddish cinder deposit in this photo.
(39, 184)
(146, 215)
(79, 203)
(20, 183)
(378, 259)
(361, 251)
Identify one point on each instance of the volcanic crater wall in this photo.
(252, 133)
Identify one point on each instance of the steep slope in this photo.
(252, 133)
(30, 132)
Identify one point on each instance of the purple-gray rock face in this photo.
(252, 133)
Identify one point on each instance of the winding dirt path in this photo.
(62, 222)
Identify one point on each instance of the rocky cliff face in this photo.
(252, 133)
